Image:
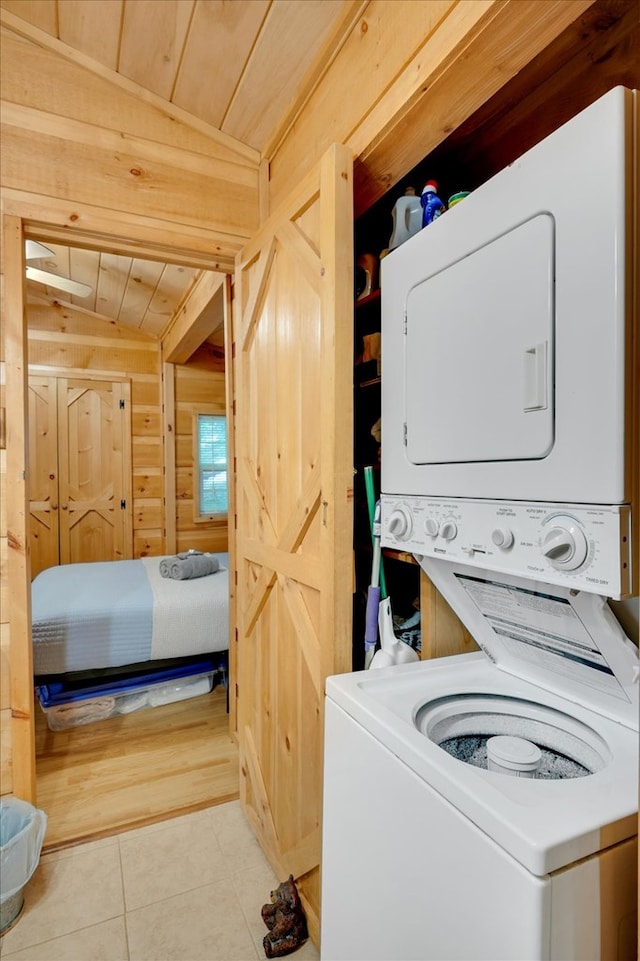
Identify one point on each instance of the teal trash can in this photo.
(22, 830)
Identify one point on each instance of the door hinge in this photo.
(121, 405)
(404, 433)
(404, 330)
(123, 505)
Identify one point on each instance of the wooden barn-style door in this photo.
(79, 455)
(292, 544)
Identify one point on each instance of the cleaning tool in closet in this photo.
(392, 651)
(373, 594)
(377, 586)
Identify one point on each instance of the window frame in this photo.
(222, 516)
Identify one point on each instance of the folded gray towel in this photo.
(184, 567)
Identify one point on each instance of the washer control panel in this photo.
(587, 547)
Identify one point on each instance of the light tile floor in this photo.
(187, 889)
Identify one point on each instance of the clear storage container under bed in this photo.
(67, 705)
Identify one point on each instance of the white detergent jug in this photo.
(407, 218)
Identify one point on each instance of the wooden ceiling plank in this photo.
(383, 42)
(56, 77)
(39, 13)
(290, 38)
(201, 313)
(220, 40)
(92, 28)
(172, 288)
(153, 37)
(84, 266)
(143, 280)
(112, 281)
(352, 10)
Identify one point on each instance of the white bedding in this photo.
(188, 616)
(109, 614)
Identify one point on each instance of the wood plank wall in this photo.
(199, 388)
(414, 71)
(63, 338)
(6, 783)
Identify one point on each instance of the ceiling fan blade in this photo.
(35, 251)
(61, 283)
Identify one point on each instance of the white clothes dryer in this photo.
(430, 849)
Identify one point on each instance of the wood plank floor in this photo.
(130, 770)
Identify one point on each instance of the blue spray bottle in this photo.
(432, 206)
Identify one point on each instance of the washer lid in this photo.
(561, 640)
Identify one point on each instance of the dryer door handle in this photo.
(535, 377)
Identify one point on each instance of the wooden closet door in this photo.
(292, 547)
(43, 474)
(95, 475)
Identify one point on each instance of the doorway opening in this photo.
(128, 331)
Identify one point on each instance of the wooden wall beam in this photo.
(168, 401)
(19, 573)
(449, 88)
(200, 315)
(415, 71)
(67, 221)
(83, 163)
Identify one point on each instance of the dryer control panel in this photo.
(586, 547)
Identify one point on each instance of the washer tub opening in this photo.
(462, 724)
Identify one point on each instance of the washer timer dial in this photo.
(400, 523)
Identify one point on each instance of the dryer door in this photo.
(479, 352)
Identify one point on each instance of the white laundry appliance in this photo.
(427, 853)
(485, 806)
(510, 364)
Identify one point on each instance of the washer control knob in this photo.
(431, 526)
(449, 530)
(565, 548)
(400, 523)
(502, 537)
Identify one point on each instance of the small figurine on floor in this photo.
(284, 916)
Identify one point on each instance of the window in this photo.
(212, 484)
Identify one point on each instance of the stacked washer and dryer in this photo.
(484, 806)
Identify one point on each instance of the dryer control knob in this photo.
(565, 548)
(431, 526)
(449, 530)
(502, 537)
(400, 523)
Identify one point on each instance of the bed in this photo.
(102, 615)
